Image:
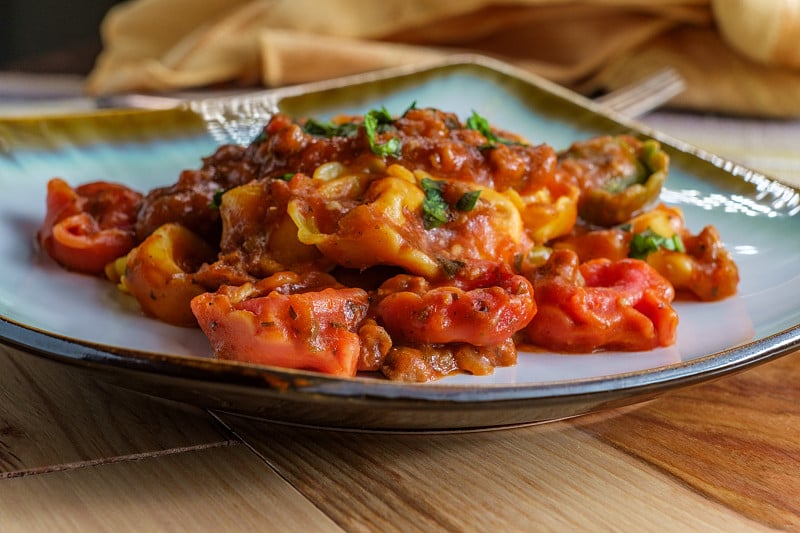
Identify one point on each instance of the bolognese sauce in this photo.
(413, 246)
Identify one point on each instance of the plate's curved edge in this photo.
(711, 366)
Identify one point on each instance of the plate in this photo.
(86, 323)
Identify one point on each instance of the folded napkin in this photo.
(737, 56)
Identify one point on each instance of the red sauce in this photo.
(403, 245)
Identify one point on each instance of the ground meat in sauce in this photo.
(256, 237)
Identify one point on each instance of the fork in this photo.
(633, 100)
(644, 95)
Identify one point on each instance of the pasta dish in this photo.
(408, 247)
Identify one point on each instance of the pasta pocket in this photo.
(414, 221)
(414, 246)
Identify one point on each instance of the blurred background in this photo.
(51, 35)
(738, 60)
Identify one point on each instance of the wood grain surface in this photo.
(52, 416)
(546, 478)
(735, 440)
(76, 456)
(217, 489)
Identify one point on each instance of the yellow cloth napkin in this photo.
(738, 56)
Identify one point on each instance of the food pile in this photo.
(413, 246)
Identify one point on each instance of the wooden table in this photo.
(77, 455)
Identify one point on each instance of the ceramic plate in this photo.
(88, 324)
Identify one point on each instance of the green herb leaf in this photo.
(409, 108)
(372, 121)
(382, 116)
(468, 200)
(675, 244)
(434, 208)
(329, 129)
(644, 243)
(481, 125)
(286, 177)
(389, 148)
(216, 201)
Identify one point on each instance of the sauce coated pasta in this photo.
(410, 246)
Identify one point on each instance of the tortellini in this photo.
(387, 227)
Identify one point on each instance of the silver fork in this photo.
(645, 95)
(633, 100)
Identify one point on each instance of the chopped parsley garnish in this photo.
(216, 201)
(382, 116)
(644, 243)
(329, 129)
(481, 125)
(434, 208)
(409, 108)
(468, 200)
(376, 121)
(286, 177)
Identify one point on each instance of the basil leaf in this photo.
(434, 208)
(391, 147)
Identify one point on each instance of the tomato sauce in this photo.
(412, 246)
